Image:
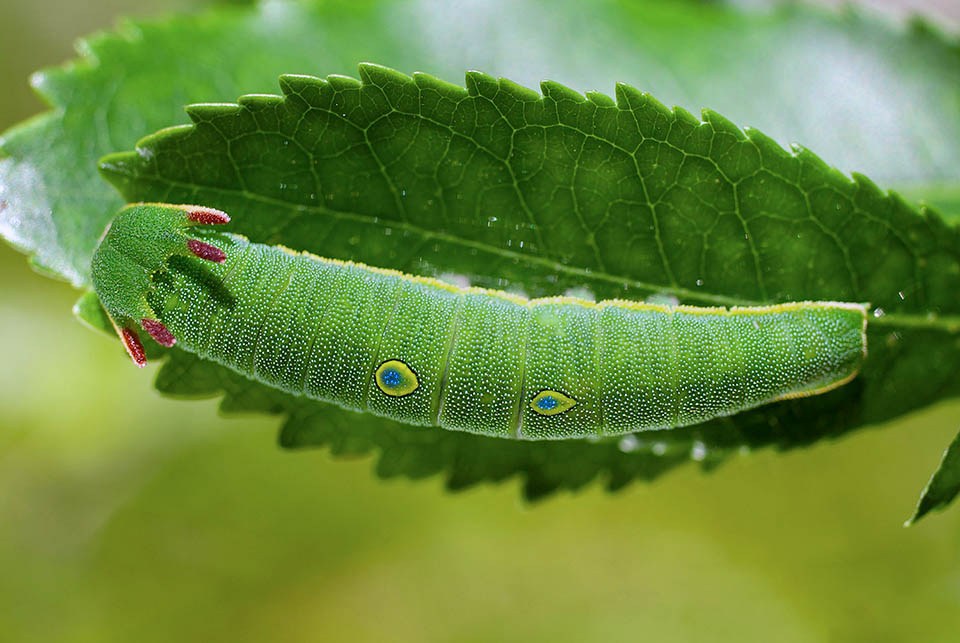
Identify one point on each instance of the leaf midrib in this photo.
(722, 300)
(949, 324)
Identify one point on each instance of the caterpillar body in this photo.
(425, 352)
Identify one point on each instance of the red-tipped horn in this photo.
(132, 343)
(206, 251)
(158, 332)
(207, 216)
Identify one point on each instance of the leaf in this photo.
(418, 452)
(851, 86)
(944, 485)
(945, 198)
(555, 192)
(843, 84)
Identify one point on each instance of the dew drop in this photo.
(878, 312)
(698, 451)
(659, 448)
(628, 443)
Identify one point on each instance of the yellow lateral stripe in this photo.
(822, 389)
(586, 303)
(618, 303)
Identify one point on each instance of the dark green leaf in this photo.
(418, 452)
(546, 194)
(944, 197)
(944, 485)
(863, 95)
(90, 312)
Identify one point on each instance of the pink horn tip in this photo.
(207, 216)
(158, 332)
(132, 343)
(206, 251)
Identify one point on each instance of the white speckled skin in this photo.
(320, 328)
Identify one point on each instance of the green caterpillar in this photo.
(425, 352)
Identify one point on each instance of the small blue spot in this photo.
(547, 402)
(391, 378)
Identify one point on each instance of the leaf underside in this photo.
(616, 197)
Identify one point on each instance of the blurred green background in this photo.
(125, 516)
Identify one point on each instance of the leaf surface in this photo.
(844, 85)
(944, 485)
(559, 192)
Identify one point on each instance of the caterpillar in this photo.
(426, 352)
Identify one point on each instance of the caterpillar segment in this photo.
(132, 249)
(425, 352)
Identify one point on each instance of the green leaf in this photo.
(944, 485)
(417, 452)
(943, 197)
(557, 192)
(866, 96)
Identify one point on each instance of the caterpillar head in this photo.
(138, 243)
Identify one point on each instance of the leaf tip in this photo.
(258, 101)
(381, 75)
(426, 81)
(293, 84)
(339, 82)
(477, 82)
(627, 96)
(559, 92)
(117, 166)
(721, 123)
(599, 99)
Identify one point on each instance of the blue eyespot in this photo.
(552, 402)
(391, 378)
(396, 379)
(547, 402)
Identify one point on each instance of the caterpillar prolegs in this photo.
(425, 352)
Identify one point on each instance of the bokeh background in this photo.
(126, 516)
